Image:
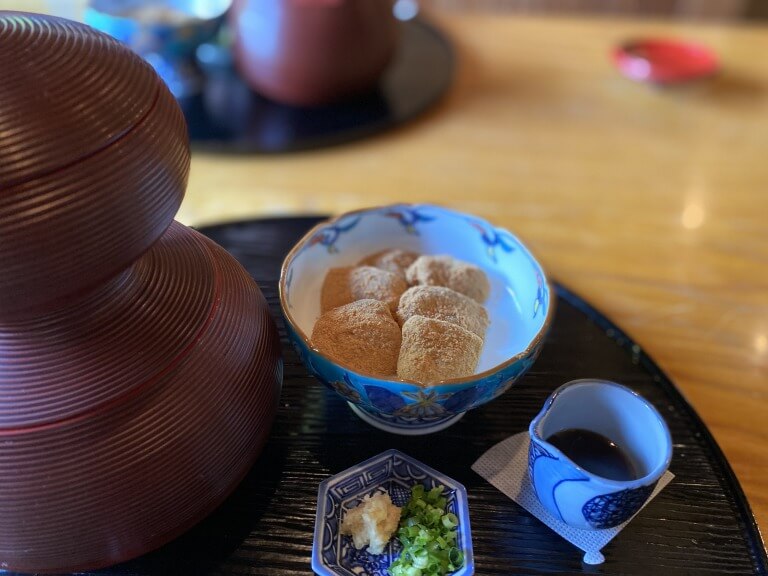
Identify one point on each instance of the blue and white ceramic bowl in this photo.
(577, 496)
(392, 472)
(519, 306)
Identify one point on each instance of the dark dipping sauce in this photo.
(595, 453)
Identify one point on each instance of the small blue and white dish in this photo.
(392, 472)
(166, 33)
(519, 307)
(575, 495)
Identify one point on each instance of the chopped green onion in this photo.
(428, 535)
(450, 520)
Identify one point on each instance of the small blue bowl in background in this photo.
(519, 307)
(392, 472)
(166, 33)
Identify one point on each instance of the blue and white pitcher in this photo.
(576, 496)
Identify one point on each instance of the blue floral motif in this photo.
(425, 404)
(409, 218)
(536, 451)
(329, 235)
(384, 400)
(361, 563)
(547, 474)
(485, 393)
(503, 382)
(494, 238)
(462, 400)
(408, 423)
(611, 510)
(346, 389)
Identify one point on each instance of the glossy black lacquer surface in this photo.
(700, 524)
(229, 117)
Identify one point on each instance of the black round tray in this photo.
(700, 524)
(229, 117)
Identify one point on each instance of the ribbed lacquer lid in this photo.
(94, 159)
(66, 92)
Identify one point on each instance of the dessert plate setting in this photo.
(141, 375)
(699, 524)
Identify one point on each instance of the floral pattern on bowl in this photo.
(392, 472)
(519, 307)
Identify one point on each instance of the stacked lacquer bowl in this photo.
(139, 366)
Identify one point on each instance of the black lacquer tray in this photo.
(227, 116)
(700, 524)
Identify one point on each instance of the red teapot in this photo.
(313, 52)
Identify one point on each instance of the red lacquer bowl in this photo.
(93, 162)
(139, 366)
(664, 61)
(128, 419)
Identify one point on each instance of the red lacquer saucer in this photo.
(665, 61)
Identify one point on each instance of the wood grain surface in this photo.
(720, 9)
(650, 203)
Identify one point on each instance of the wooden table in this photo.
(650, 203)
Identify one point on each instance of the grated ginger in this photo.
(372, 522)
